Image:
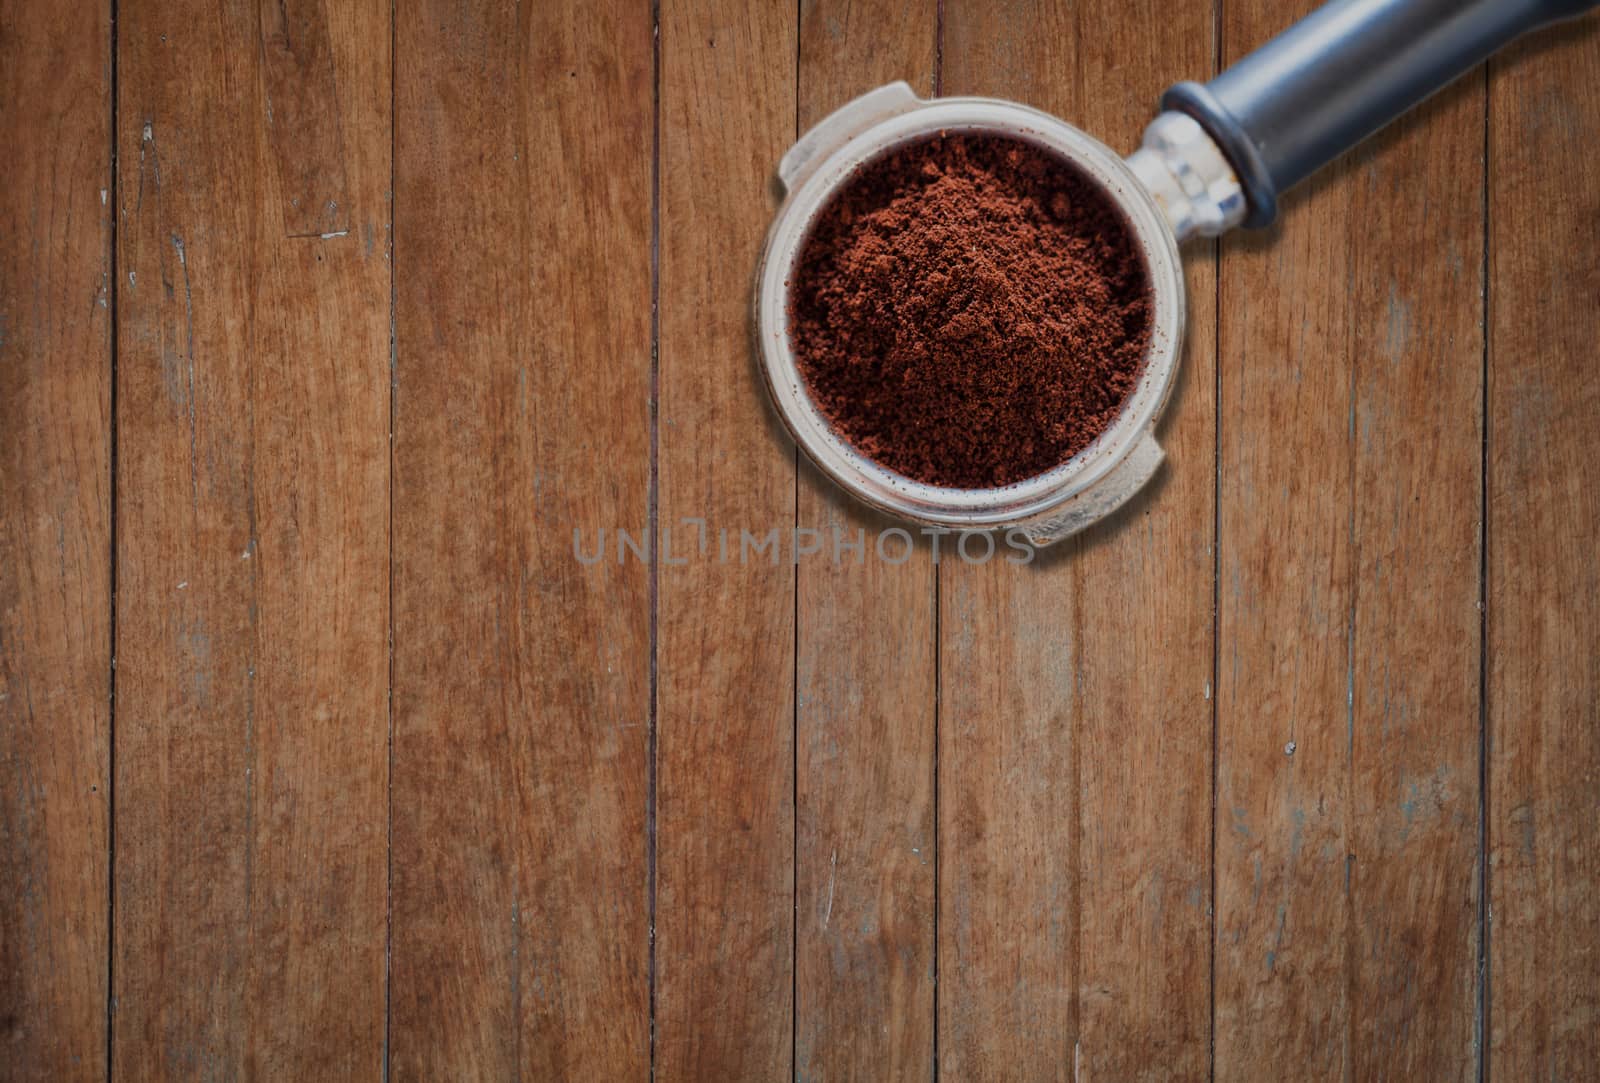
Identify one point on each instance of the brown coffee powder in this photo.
(970, 310)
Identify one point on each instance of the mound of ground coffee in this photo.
(970, 310)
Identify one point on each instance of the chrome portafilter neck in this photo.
(1189, 178)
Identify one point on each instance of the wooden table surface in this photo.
(325, 324)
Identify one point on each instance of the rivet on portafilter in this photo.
(1021, 259)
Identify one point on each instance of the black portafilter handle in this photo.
(1339, 75)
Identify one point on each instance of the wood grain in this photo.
(55, 539)
(729, 817)
(1075, 711)
(307, 144)
(864, 859)
(726, 647)
(1544, 587)
(1348, 711)
(521, 676)
(252, 581)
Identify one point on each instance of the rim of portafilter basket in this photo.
(1062, 500)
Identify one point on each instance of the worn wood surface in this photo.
(55, 539)
(1544, 585)
(1347, 813)
(319, 417)
(252, 582)
(725, 657)
(520, 917)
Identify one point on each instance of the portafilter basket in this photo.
(1216, 158)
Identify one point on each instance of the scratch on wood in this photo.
(147, 142)
(516, 978)
(188, 332)
(833, 869)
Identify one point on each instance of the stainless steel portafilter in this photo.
(1217, 157)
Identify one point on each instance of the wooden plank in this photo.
(1143, 591)
(307, 143)
(864, 966)
(725, 702)
(55, 539)
(521, 678)
(1544, 586)
(1348, 709)
(252, 567)
(1075, 713)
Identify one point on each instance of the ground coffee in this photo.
(970, 310)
